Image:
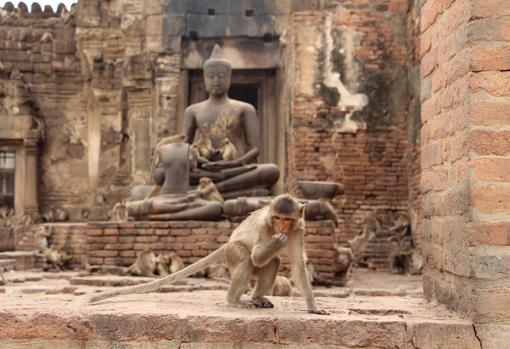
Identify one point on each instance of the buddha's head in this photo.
(217, 73)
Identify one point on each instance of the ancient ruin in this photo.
(120, 147)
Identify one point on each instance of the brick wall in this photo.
(465, 56)
(71, 238)
(119, 244)
(365, 43)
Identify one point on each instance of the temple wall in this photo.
(465, 58)
(41, 46)
(350, 109)
(118, 244)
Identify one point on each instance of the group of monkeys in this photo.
(54, 257)
(149, 264)
(199, 153)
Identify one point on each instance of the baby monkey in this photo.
(252, 252)
(207, 190)
(228, 150)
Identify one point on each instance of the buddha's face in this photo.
(217, 79)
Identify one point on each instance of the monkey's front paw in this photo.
(280, 239)
(318, 311)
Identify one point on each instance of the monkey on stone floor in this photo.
(169, 264)
(217, 271)
(207, 190)
(2, 276)
(343, 264)
(144, 265)
(5, 212)
(41, 238)
(281, 287)
(252, 251)
(228, 150)
(195, 158)
(56, 258)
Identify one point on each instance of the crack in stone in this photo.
(476, 335)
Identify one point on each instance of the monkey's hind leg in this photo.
(238, 259)
(266, 277)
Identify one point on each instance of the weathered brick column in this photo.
(465, 156)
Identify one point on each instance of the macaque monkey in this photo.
(55, 257)
(204, 145)
(228, 150)
(46, 37)
(55, 215)
(5, 212)
(2, 276)
(169, 264)
(252, 251)
(207, 190)
(119, 212)
(281, 287)
(177, 138)
(41, 238)
(343, 264)
(217, 271)
(144, 265)
(195, 158)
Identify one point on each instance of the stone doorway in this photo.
(257, 87)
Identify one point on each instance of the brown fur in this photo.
(228, 150)
(281, 287)
(195, 158)
(204, 145)
(144, 265)
(208, 191)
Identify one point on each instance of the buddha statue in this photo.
(220, 122)
(220, 142)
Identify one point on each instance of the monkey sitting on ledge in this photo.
(252, 251)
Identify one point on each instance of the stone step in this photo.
(24, 260)
(202, 319)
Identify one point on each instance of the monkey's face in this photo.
(283, 224)
(204, 182)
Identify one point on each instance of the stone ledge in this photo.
(201, 319)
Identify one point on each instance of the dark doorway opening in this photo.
(245, 92)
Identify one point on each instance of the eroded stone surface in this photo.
(188, 317)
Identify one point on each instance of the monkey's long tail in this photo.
(214, 257)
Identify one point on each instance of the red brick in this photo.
(102, 240)
(111, 232)
(490, 56)
(496, 83)
(490, 8)
(490, 199)
(180, 232)
(428, 63)
(489, 233)
(429, 12)
(103, 253)
(495, 169)
(490, 143)
(457, 14)
(446, 49)
(95, 232)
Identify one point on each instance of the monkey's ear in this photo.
(302, 209)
